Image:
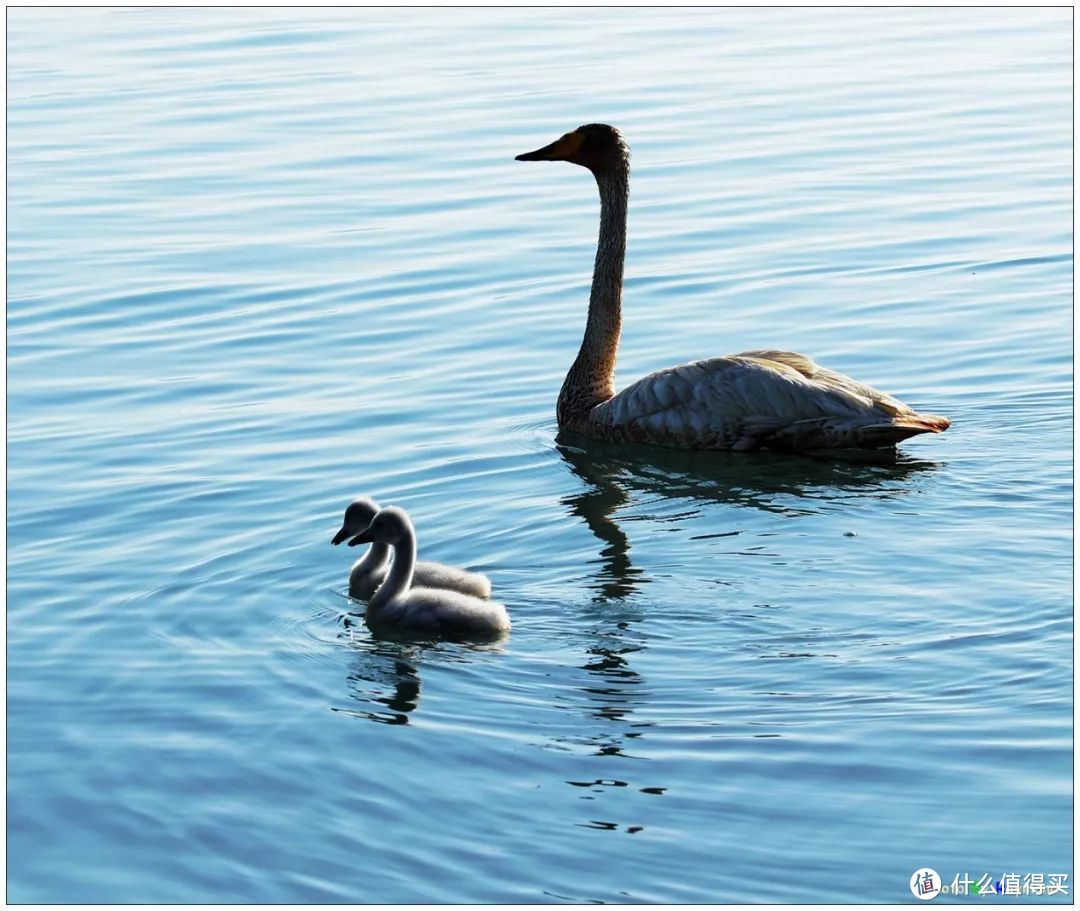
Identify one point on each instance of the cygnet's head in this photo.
(390, 526)
(358, 516)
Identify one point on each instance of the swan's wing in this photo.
(746, 400)
(438, 575)
(830, 379)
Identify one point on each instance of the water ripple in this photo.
(260, 263)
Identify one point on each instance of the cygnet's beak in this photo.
(364, 537)
(560, 150)
(340, 536)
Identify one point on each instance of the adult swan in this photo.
(753, 400)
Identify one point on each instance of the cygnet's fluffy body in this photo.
(369, 572)
(428, 611)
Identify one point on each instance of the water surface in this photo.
(263, 261)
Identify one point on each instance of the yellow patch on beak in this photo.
(567, 145)
(560, 150)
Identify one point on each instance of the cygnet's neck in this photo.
(373, 559)
(400, 576)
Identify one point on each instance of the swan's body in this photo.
(369, 572)
(753, 400)
(428, 611)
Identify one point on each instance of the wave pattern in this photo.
(262, 261)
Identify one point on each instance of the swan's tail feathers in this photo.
(899, 428)
(923, 423)
(843, 433)
(940, 422)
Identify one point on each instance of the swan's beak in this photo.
(365, 537)
(340, 536)
(560, 150)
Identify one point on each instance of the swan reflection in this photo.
(385, 673)
(619, 475)
(648, 479)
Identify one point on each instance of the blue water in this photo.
(263, 261)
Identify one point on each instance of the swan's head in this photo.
(390, 526)
(358, 516)
(595, 146)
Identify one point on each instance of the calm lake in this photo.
(263, 261)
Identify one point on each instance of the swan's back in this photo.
(756, 399)
(442, 612)
(364, 581)
(450, 578)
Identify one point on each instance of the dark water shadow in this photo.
(387, 675)
(385, 671)
(616, 475)
(613, 693)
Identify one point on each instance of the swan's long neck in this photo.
(400, 576)
(591, 379)
(372, 561)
